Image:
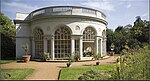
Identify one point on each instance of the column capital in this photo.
(52, 36)
(31, 38)
(46, 37)
(81, 37)
(104, 39)
(97, 37)
(76, 36)
(72, 37)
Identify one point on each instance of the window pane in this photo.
(38, 38)
(62, 42)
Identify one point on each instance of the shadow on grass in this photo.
(59, 75)
(111, 62)
(6, 61)
(62, 66)
(88, 65)
(20, 61)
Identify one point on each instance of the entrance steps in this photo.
(83, 59)
(105, 57)
(87, 58)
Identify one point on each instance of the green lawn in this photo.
(16, 74)
(73, 73)
(6, 61)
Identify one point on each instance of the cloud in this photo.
(102, 5)
(17, 7)
(128, 6)
(121, 3)
(145, 14)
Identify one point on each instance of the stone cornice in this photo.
(23, 37)
(68, 16)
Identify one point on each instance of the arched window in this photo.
(62, 43)
(89, 34)
(38, 39)
(88, 41)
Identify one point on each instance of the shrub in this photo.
(95, 75)
(133, 65)
(87, 54)
(46, 56)
(76, 56)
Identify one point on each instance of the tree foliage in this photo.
(134, 35)
(140, 30)
(7, 37)
(109, 38)
(131, 42)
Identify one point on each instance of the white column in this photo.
(101, 47)
(45, 45)
(105, 46)
(72, 46)
(52, 48)
(30, 45)
(81, 47)
(96, 43)
(33, 48)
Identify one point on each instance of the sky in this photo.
(118, 12)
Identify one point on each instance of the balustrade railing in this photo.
(68, 10)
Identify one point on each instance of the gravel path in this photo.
(50, 70)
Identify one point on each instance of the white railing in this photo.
(69, 11)
(38, 12)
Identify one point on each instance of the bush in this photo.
(87, 54)
(46, 56)
(76, 56)
(133, 65)
(7, 47)
(95, 75)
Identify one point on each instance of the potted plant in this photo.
(112, 48)
(76, 56)
(26, 57)
(96, 57)
(69, 61)
(46, 56)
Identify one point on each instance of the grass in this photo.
(6, 61)
(73, 73)
(16, 74)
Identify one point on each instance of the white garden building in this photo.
(61, 31)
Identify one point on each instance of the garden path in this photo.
(50, 70)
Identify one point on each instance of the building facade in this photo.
(61, 31)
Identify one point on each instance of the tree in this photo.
(109, 33)
(140, 30)
(134, 35)
(119, 29)
(7, 37)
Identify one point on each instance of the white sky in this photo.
(118, 12)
